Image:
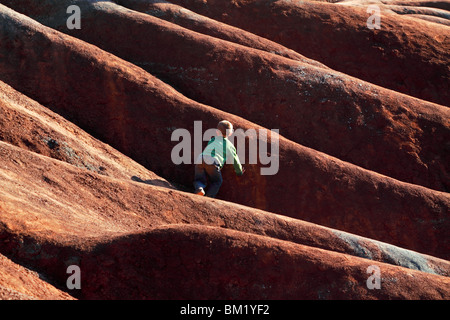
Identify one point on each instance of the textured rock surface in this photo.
(372, 127)
(19, 283)
(27, 124)
(336, 34)
(50, 180)
(87, 177)
(136, 113)
(225, 264)
(146, 240)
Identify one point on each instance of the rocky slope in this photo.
(88, 179)
(353, 120)
(137, 241)
(337, 35)
(19, 283)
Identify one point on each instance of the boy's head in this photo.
(225, 128)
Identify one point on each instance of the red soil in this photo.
(85, 153)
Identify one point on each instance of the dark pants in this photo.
(205, 171)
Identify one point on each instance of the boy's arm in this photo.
(236, 162)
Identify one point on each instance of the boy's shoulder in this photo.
(211, 140)
(228, 143)
(222, 140)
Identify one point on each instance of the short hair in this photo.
(223, 126)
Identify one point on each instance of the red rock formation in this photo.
(445, 5)
(445, 22)
(117, 232)
(226, 264)
(372, 127)
(51, 180)
(134, 112)
(92, 185)
(337, 35)
(29, 125)
(19, 283)
(433, 11)
(204, 25)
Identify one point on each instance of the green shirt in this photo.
(221, 148)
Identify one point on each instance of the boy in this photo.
(212, 160)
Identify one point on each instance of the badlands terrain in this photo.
(354, 99)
